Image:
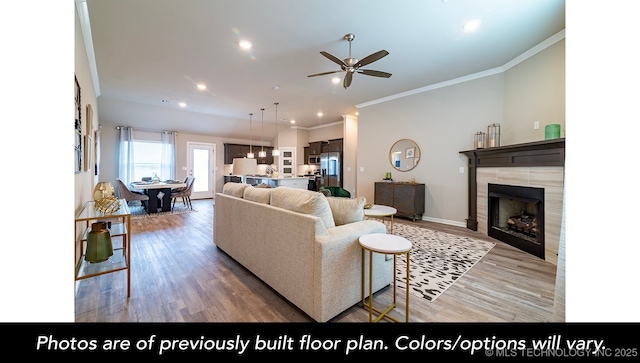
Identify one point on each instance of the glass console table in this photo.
(120, 229)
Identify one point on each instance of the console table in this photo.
(407, 198)
(120, 227)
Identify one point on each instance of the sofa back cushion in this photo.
(260, 195)
(303, 201)
(234, 189)
(346, 210)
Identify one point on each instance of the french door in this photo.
(201, 165)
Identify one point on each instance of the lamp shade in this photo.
(245, 166)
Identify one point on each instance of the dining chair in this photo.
(129, 195)
(185, 193)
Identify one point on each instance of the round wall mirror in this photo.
(404, 155)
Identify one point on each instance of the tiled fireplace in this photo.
(527, 180)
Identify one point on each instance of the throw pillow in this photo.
(303, 201)
(256, 194)
(346, 210)
(234, 189)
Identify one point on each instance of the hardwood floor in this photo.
(178, 275)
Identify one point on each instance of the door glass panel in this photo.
(201, 170)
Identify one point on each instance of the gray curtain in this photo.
(168, 158)
(125, 154)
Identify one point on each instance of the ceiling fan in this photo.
(352, 65)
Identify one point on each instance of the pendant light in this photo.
(262, 153)
(250, 153)
(275, 151)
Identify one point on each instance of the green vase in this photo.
(99, 246)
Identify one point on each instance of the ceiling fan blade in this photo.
(334, 59)
(322, 74)
(347, 80)
(370, 72)
(371, 58)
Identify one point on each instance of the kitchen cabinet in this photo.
(315, 148)
(407, 198)
(232, 151)
(334, 145)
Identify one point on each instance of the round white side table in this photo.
(381, 211)
(386, 244)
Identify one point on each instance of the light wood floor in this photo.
(179, 275)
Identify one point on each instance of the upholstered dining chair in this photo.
(185, 193)
(129, 195)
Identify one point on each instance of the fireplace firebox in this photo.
(516, 217)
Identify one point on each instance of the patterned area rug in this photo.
(438, 259)
(138, 212)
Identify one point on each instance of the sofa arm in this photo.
(337, 259)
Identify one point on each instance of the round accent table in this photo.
(381, 211)
(386, 244)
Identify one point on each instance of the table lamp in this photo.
(244, 167)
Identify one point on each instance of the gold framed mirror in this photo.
(404, 155)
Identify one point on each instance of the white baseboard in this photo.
(444, 221)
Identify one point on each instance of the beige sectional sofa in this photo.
(301, 243)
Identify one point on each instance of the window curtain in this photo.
(125, 154)
(168, 157)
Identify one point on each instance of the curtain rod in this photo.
(147, 130)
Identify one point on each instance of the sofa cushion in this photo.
(303, 201)
(346, 210)
(234, 189)
(256, 194)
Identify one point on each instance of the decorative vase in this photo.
(551, 131)
(99, 246)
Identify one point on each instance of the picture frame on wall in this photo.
(87, 152)
(89, 120)
(96, 158)
(410, 153)
(78, 152)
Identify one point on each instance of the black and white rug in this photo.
(137, 211)
(438, 259)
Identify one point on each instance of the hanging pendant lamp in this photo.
(262, 153)
(250, 153)
(275, 151)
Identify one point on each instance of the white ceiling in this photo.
(147, 51)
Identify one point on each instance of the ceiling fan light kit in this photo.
(352, 65)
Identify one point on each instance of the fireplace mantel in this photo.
(538, 153)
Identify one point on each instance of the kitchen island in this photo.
(291, 182)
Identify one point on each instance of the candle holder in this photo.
(493, 135)
(479, 140)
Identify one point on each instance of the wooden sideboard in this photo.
(407, 198)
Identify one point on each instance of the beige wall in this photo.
(84, 181)
(443, 120)
(535, 91)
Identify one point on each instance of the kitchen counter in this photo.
(292, 182)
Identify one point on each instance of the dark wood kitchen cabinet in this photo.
(407, 198)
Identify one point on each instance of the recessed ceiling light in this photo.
(293, 121)
(471, 25)
(245, 44)
(335, 80)
(319, 114)
(182, 104)
(202, 86)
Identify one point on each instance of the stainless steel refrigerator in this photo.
(331, 169)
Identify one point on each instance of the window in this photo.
(147, 157)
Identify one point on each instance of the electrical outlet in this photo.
(462, 170)
(536, 125)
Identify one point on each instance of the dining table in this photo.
(159, 193)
